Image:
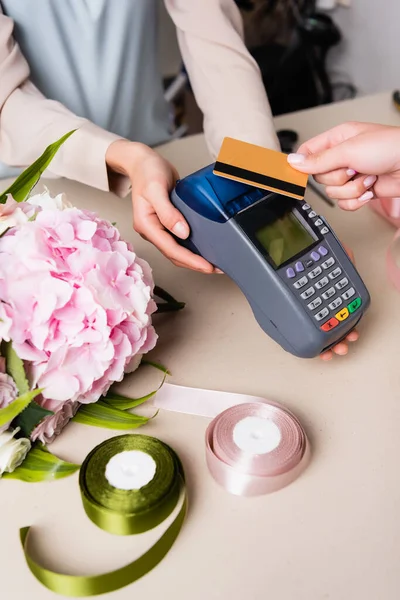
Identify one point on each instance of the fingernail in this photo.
(365, 197)
(180, 230)
(351, 172)
(218, 271)
(370, 180)
(296, 159)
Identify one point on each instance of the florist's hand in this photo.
(356, 161)
(154, 216)
(342, 348)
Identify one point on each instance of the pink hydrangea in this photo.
(77, 305)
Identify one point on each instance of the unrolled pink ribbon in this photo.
(240, 472)
(389, 208)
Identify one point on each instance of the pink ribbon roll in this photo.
(253, 447)
(256, 470)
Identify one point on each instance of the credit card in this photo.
(260, 167)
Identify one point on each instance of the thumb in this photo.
(320, 162)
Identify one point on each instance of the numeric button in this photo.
(335, 273)
(315, 272)
(329, 293)
(328, 263)
(342, 283)
(336, 303)
(322, 283)
(348, 293)
(314, 304)
(307, 293)
(300, 283)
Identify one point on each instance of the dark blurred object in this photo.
(290, 41)
(287, 140)
(396, 99)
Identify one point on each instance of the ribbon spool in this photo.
(255, 449)
(253, 446)
(134, 509)
(129, 484)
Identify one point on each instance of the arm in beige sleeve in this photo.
(29, 122)
(225, 79)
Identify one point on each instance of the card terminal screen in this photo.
(284, 237)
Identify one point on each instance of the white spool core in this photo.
(256, 436)
(130, 470)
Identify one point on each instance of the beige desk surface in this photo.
(335, 533)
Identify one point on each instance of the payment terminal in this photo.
(303, 289)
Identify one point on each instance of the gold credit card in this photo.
(261, 167)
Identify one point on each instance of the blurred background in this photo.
(310, 52)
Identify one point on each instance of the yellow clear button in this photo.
(342, 314)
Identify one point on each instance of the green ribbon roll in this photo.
(122, 512)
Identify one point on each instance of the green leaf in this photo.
(41, 465)
(125, 403)
(101, 414)
(8, 413)
(15, 367)
(155, 365)
(23, 185)
(31, 417)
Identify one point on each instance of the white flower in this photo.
(47, 202)
(12, 451)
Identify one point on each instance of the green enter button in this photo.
(354, 305)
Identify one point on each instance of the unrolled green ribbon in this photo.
(122, 512)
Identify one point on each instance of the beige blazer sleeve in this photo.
(29, 122)
(224, 77)
(225, 80)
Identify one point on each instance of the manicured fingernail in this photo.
(218, 271)
(351, 172)
(365, 197)
(296, 159)
(180, 230)
(370, 180)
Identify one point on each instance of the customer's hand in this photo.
(356, 161)
(154, 216)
